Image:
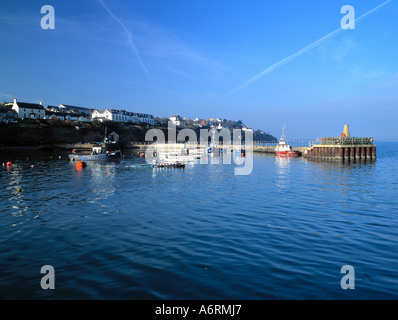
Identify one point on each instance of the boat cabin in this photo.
(283, 146)
(98, 150)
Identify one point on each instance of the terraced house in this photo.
(122, 116)
(29, 110)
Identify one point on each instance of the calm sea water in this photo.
(120, 232)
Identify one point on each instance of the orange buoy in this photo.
(80, 165)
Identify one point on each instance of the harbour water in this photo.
(118, 231)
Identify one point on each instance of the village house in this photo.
(50, 114)
(122, 116)
(8, 115)
(177, 120)
(29, 110)
(113, 137)
(215, 121)
(111, 115)
(75, 113)
(146, 118)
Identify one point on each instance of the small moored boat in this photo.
(99, 153)
(283, 149)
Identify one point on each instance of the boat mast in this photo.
(283, 138)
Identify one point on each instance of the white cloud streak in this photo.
(131, 44)
(300, 52)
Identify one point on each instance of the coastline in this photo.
(68, 135)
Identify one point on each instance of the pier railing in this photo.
(293, 143)
(346, 141)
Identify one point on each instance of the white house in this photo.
(146, 118)
(177, 120)
(29, 110)
(122, 116)
(111, 115)
(100, 115)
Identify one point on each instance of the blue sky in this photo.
(193, 58)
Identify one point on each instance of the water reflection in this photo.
(284, 167)
(99, 178)
(14, 189)
(343, 173)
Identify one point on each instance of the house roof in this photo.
(30, 105)
(56, 113)
(101, 110)
(74, 107)
(5, 109)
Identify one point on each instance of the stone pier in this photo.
(344, 150)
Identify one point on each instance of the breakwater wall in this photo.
(350, 152)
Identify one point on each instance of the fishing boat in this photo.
(283, 149)
(99, 152)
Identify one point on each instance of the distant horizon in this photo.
(267, 64)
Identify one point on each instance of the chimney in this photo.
(41, 103)
(15, 101)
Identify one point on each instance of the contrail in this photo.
(131, 44)
(302, 51)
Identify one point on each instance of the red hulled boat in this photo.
(283, 149)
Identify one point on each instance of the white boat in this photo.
(283, 149)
